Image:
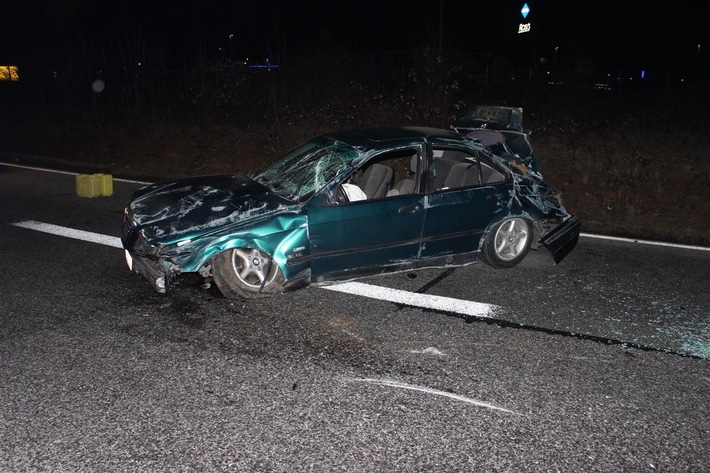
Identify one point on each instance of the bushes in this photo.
(630, 162)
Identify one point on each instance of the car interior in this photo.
(406, 185)
(376, 181)
(396, 174)
(454, 169)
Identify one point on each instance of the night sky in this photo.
(635, 34)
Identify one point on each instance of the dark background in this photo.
(615, 34)
(616, 93)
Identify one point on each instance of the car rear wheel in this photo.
(246, 273)
(507, 243)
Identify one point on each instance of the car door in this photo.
(368, 236)
(465, 194)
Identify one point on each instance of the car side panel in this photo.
(364, 237)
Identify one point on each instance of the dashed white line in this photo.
(114, 242)
(392, 295)
(426, 301)
(412, 299)
(397, 296)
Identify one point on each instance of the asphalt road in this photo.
(599, 364)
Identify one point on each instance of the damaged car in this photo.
(347, 205)
(500, 129)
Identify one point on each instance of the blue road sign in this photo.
(525, 10)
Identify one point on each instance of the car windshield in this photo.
(306, 169)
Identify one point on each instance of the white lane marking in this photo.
(55, 171)
(393, 295)
(397, 384)
(71, 233)
(397, 296)
(33, 168)
(413, 299)
(427, 301)
(446, 304)
(646, 242)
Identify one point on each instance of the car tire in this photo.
(507, 243)
(246, 273)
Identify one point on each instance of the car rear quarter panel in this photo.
(457, 218)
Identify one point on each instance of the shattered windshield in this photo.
(307, 168)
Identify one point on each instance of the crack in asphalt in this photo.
(533, 328)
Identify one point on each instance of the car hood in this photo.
(190, 207)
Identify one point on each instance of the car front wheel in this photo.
(246, 273)
(507, 243)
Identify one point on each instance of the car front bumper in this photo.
(149, 269)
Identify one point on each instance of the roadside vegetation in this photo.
(630, 156)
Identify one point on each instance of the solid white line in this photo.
(646, 242)
(34, 168)
(397, 384)
(71, 233)
(427, 301)
(132, 181)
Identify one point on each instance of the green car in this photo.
(347, 205)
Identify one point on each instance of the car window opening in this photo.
(388, 175)
(454, 169)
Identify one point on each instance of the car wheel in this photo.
(507, 243)
(246, 273)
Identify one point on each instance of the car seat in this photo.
(462, 175)
(376, 181)
(407, 185)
